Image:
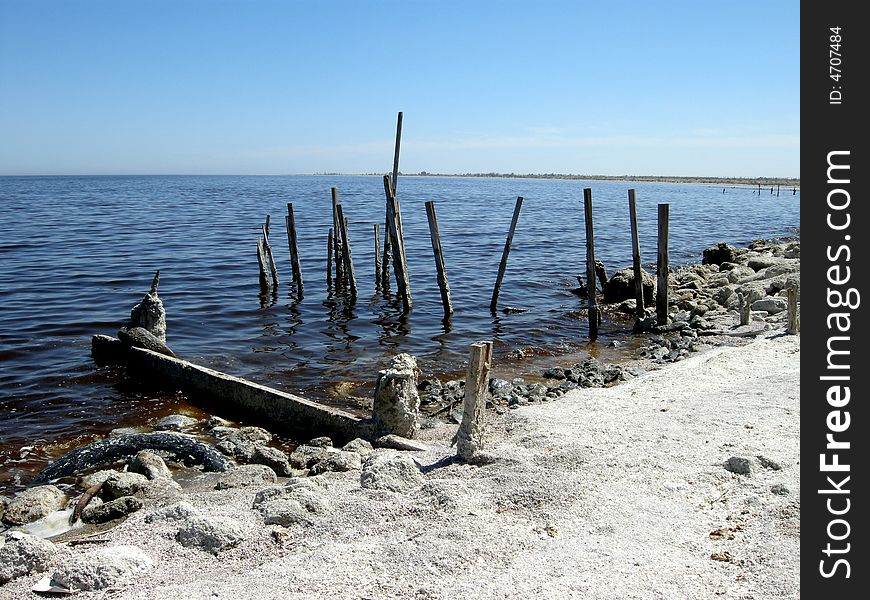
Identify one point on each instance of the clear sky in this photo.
(605, 87)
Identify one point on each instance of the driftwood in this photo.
(84, 500)
(115, 448)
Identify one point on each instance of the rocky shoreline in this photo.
(290, 490)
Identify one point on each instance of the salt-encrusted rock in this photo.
(396, 442)
(723, 295)
(323, 442)
(139, 337)
(92, 479)
(500, 388)
(391, 471)
(304, 457)
(180, 511)
(215, 421)
(718, 254)
(34, 503)
(162, 489)
(272, 457)
(149, 464)
(621, 286)
(150, 313)
(397, 404)
(175, 423)
(360, 446)
(211, 534)
(338, 461)
(740, 273)
(289, 505)
(739, 465)
(241, 443)
(25, 554)
(109, 511)
(101, 568)
(122, 484)
(245, 476)
(772, 305)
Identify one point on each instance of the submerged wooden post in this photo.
(504, 255)
(794, 318)
(469, 438)
(399, 263)
(345, 253)
(439, 258)
(662, 266)
(377, 256)
(261, 260)
(329, 246)
(336, 240)
(268, 248)
(294, 247)
(594, 315)
(640, 309)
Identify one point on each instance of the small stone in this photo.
(101, 568)
(211, 534)
(290, 505)
(149, 464)
(773, 305)
(338, 461)
(272, 457)
(739, 465)
(304, 457)
(768, 463)
(162, 488)
(180, 511)
(321, 442)
(246, 476)
(175, 423)
(33, 504)
(360, 446)
(500, 388)
(122, 484)
(393, 472)
(215, 421)
(27, 554)
(780, 489)
(109, 511)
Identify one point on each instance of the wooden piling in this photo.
(399, 262)
(794, 318)
(389, 243)
(439, 258)
(743, 310)
(395, 181)
(469, 437)
(261, 260)
(662, 266)
(268, 248)
(594, 315)
(329, 248)
(293, 244)
(640, 310)
(377, 255)
(268, 222)
(345, 253)
(336, 240)
(504, 255)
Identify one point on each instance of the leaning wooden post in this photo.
(261, 260)
(493, 304)
(594, 316)
(794, 318)
(640, 310)
(662, 266)
(377, 256)
(439, 258)
(395, 180)
(345, 253)
(268, 248)
(294, 248)
(329, 246)
(399, 262)
(469, 438)
(389, 243)
(336, 240)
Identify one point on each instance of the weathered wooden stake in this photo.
(439, 258)
(377, 256)
(662, 266)
(493, 304)
(794, 317)
(329, 247)
(594, 315)
(640, 310)
(261, 260)
(399, 264)
(743, 309)
(389, 243)
(469, 438)
(337, 241)
(268, 222)
(294, 248)
(395, 180)
(268, 248)
(345, 253)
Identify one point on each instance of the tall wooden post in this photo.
(345, 253)
(662, 266)
(399, 263)
(640, 309)
(469, 437)
(261, 260)
(493, 304)
(337, 241)
(794, 319)
(271, 257)
(594, 315)
(439, 258)
(388, 241)
(377, 256)
(294, 248)
(329, 249)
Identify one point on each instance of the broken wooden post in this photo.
(439, 258)
(329, 246)
(294, 248)
(504, 255)
(395, 181)
(261, 259)
(594, 315)
(469, 438)
(268, 221)
(640, 310)
(336, 240)
(743, 310)
(377, 256)
(794, 318)
(399, 263)
(345, 253)
(268, 248)
(662, 266)
(396, 406)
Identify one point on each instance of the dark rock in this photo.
(780, 489)
(109, 511)
(139, 337)
(322, 442)
(272, 457)
(739, 465)
(554, 373)
(500, 388)
(718, 254)
(768, 463)
(621, 287)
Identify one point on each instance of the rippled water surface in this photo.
(77, 252)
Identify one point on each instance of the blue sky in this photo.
(263, 87)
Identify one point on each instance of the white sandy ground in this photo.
(604, 493)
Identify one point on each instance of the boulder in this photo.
(391, 471)
(109, 511)
(211, 534)
(162, 489)
(33, 504)
(740, 273)
(397, 404)
(101, 568)
(772, 305)
(718, 254)
(621, 286)
(289, 505)
(338, 461)
(122, 484)
(360, 446)
(272, 457)
(246, 476)
(305, 457)
(26, 554)
(149, 464)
